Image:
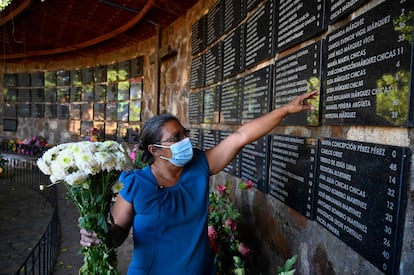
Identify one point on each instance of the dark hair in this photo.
(151, 133)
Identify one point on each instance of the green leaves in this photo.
(285, 270)
(94, 205)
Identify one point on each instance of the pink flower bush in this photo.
(222, 230)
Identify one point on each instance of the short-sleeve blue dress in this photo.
(170, 224)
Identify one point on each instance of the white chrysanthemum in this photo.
(57, 170)
(87, 162)
(106, 161)
(76, 178)
(117, 187)
(66, 159)
(43, 166)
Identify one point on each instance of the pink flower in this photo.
(212, 233)
(243, 249)
(246, 185)
(221, 189)
(232, 225)
(133, 155)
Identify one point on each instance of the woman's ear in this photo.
(152, 149)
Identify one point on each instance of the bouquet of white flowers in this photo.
(90, 171)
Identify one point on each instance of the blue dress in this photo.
(170, 224)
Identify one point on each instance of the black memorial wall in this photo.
(268, 52)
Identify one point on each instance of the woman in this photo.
(166, 202)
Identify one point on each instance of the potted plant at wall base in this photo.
(90, 170)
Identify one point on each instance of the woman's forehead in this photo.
(171, 127)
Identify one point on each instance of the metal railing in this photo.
(23, 170)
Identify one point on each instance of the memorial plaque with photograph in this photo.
(50, 79)
(112, 73)
(254, 159)
(100, 74)
(214, 62)
(124, 70)
(99, 111)
(231, 102)
(195, 107)
(38, 110)
(122, 111)
(260, 28)
(361, 197)
(296, 74)
(133, 136)
(63, 111)
(121, 132)
(76, 78)
(38, 95)
(135, 111)
(23, 80)
(100, 92)
(137, 66)
(298, 21)
(50, 111)
(369, 69)
(76, 94)
(234, 12)
(199, 35)
(256, 93)
(63, 94)
(87, 93)
(196, 138)
(24, 95)
(123, 90)
(292, 170)
(233, 168)
(9, 125)
(10, 95)
(37, 79)
(197, 78)
(110, 130)
(86, 111)
(75, 111)
(233, 52)
(111, 111)
(74, 127)
(62, 78)
(112, 92)
(50, 94)
(9, 110)
(10, 80)
(136, 88)
(87, 76)
(210, 138)
(24, 110)
(211, 105)
(339, 9)
(215, 22)
(86, 127)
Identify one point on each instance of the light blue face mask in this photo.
(182, 152)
